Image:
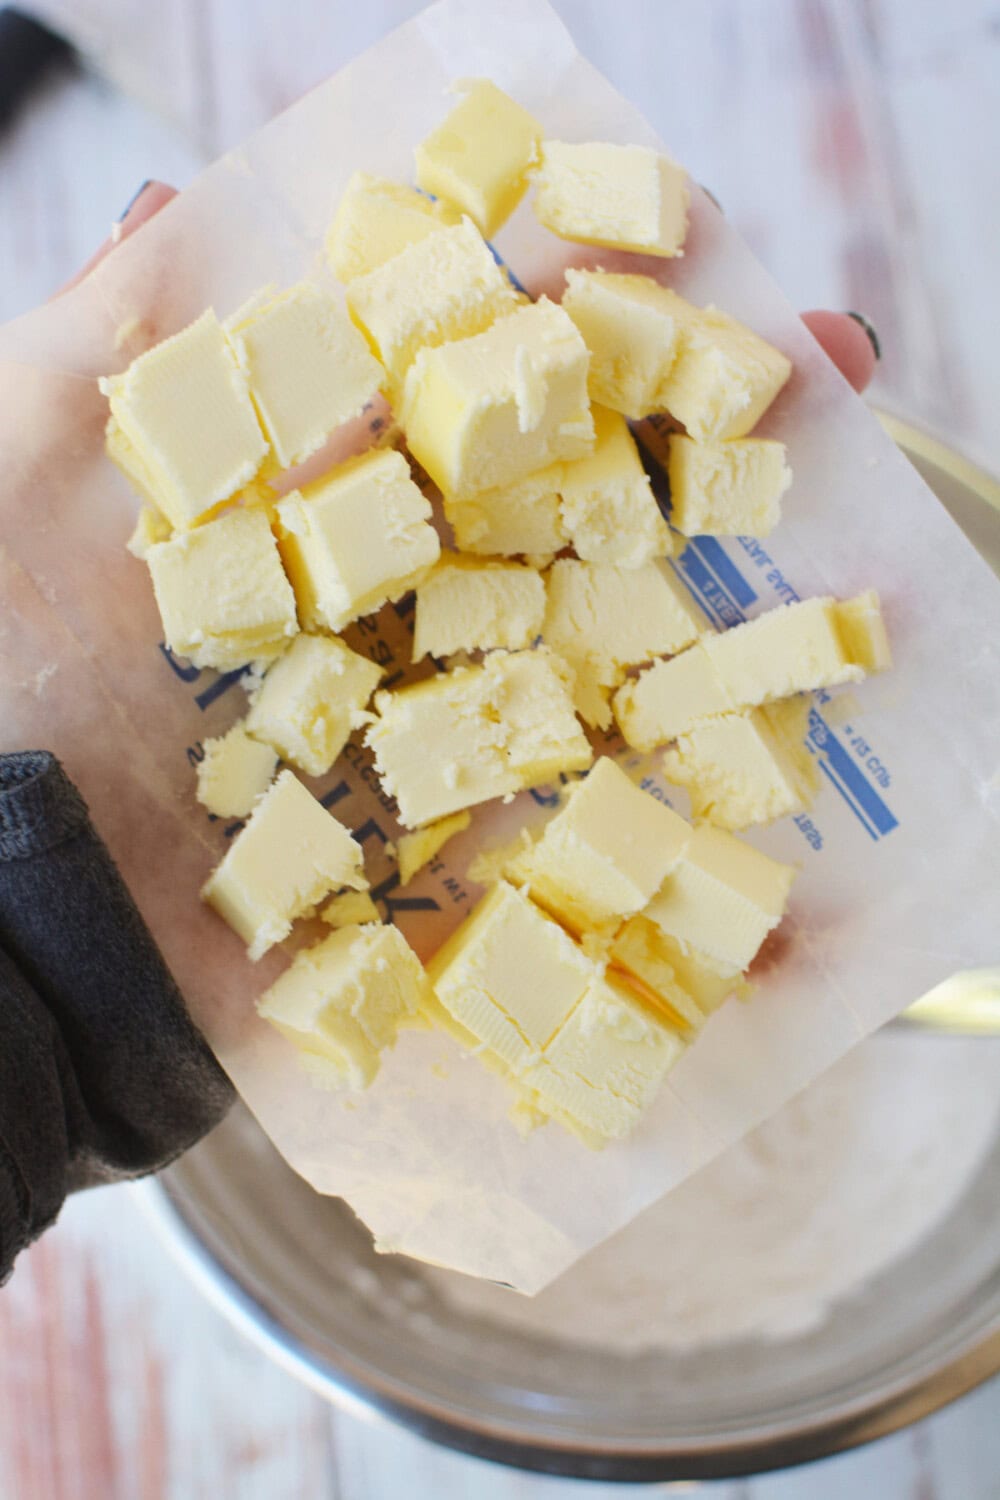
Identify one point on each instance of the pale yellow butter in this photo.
(669, 698)
(746, 768)
(724, 378)
(343, 1000)
(488, 410)
(415, 850)
(519, 519)
(189, 427)
(605, 854)
(311, 700)
(609, 511)
(223, 597)
(281, 865)
(603, 619)
(443, 287)
(151, 526)
(622, 197)
(726, 489)
(350, 909)
(234, 771)
(467, 605)
(375, 220)
(308, 367)
(355, 539)
(723, 898)
(475, 733)
(478, 157)
(688, 985)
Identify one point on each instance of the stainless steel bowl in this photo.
(298, 1274)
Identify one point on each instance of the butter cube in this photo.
(281, 865)
(606, 1063)
(632, 327)
(603, 619)
(726, 489)
(510, 976)
(688, 985)
(624, 197)
(467, 605)
(608, 507)
(478, 157)
(311, 700)
(223, 597)
(350, 909)
(488, 410)
(355, 539)
(653, 351)
(188, 424)
(475, 733)
(523, 518)
(724, 378)
(445, 286)
(723, 898)
(815, 643)
(746, 768)
(375, 220)
(671, 697)
(415, 850)
(151, 526)
(605, 854)
(308, 367)
(234, 771)
(343, 1000)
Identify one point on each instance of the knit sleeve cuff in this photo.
(39, 805)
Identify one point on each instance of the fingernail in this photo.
(133, 201)
(863, 322)
(709, 194)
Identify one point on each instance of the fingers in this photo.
(148, 200)
(850, 342)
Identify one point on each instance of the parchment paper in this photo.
(899, 884)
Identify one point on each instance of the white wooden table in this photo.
(855, 146)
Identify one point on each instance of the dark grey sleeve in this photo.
(103, 1075)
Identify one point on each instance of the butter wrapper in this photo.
(899, 879)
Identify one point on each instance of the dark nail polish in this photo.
(709, 194)
(863, 322)
(134, 200)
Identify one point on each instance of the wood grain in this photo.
(853, 144)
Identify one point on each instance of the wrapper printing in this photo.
(900, 876)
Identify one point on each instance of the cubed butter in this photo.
(350, 909)
(478, 157)
(607, 1061)
(467, 605)
(475, 733)
(608, 507)
(603, 619)
(233, 772)
(723, 897)
(622, 197)
(519, 519)
(355, 539)
(189, 425)
(488, 410)
(746, 768)
(415, 850)
(151, 526)
(731, 488)
(281, 865)
(669, 698)
(652, 351)
(605, 854)
(308, 367)
(510, 976)
(445, 286)
(343, 1000)
(688, 985)
(311, 700)
(223, 597)
(375, 220)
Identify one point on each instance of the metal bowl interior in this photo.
(299, 1274)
